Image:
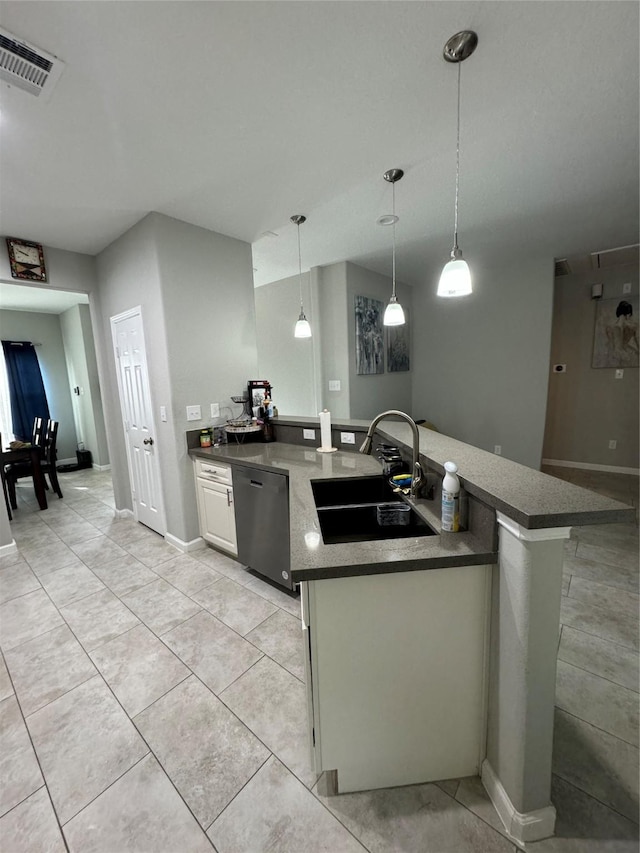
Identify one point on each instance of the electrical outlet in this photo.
(194, 413)
(619, 373)
(309, 434)
(215, 410)
(497, 449)
(163, 414)
(334, 385)
(613, 444)
(347, 438)
(626, 287)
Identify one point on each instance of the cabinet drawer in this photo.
(215, 471)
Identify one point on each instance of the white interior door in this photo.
(137, 414)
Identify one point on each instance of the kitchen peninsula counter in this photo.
(433, 657)
(311, 559)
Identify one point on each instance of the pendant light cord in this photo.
(455, 212)
(300, 269)
(393, 253)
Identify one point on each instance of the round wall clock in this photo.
(26, 259)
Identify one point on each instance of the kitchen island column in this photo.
(525, 619)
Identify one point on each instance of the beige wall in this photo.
(587, 407)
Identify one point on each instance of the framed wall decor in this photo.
(615, 337)
(26, 260)
(398, 347)
(369, 336)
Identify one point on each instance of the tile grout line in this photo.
(597, 674)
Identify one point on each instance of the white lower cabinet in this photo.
(214, 492)
(396, 670)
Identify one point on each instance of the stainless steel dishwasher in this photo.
(262, 522)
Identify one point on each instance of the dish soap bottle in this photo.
(451, 498)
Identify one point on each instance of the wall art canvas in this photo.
(369, 336)
(398, 347)
(615, 340)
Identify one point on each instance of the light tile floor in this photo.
(153, 701)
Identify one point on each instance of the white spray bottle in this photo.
(450, 498)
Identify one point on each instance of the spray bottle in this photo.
(450, 498)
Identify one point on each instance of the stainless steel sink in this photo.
(348, 511)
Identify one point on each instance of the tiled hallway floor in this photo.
(153, 701)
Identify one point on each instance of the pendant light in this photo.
(302, 328)
(455, 279)
(393, 315)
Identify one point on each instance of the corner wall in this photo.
(287, 362)
(370, 395)
(482, 362)
(587, 407)
(45, 329)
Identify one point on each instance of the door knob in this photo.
(147, 441)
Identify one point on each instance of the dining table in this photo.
(34, 453)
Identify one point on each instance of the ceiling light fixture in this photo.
(455, 279)
(393, 315)
(302, 328)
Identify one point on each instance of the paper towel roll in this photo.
(325, 430)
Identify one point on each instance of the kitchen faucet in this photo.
(416, 470)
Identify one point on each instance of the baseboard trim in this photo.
(100, 467)
(70, 461)
(124, 513)
(589, 466)
(520, 826)
(7, 550)
(185, 547)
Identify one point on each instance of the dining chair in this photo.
(17, 470)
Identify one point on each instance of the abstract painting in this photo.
(369, 336)
(615, 340)
(398, 347)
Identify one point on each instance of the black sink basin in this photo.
(352, 490)
(363, 509)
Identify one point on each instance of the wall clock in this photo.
(26, 259)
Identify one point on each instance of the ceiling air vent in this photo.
(562, 267)
(27, 67)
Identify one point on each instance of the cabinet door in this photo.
(217, 520)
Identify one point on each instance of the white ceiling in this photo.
(17, 297)
(236, 115)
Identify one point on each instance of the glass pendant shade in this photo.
(302, 328)
(393, 315)
(455, 279)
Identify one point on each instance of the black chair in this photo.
(17, 470)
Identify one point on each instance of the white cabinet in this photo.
(214, 491)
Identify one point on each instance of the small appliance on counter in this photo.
(254, 423)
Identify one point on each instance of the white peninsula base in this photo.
(397, 675)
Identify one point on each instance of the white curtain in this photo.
(6, 426)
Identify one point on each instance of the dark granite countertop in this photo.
(533, 499)
(311, 559)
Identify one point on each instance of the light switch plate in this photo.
(194, 413)
(163, 414)
(215, 410)
(347, 438)
(626, 287)
(334, 385)
(309, 434)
